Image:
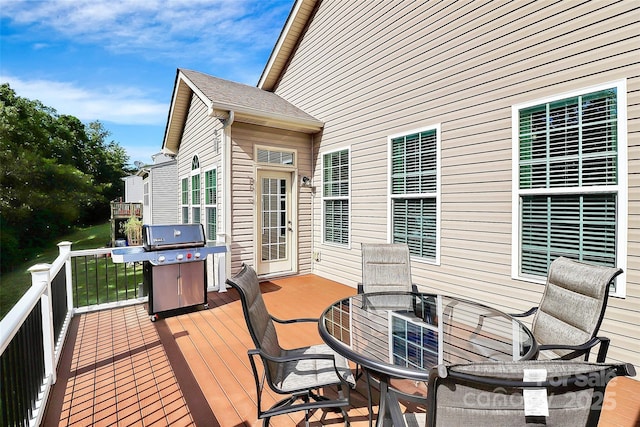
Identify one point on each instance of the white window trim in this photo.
(214, 205)
(182, 205)
(324, 242)
(192, 173)
(622, 188)
(438, 193)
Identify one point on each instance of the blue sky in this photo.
(116, 60)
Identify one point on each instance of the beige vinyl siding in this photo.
(198, 138)
(391, 67)
(295, 28)
(244, 137)
(163, 184)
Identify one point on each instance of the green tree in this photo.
(55, 173)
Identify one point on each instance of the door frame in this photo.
(292, 173)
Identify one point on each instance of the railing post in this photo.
(222, 265)
(65, 250)
(39, 274)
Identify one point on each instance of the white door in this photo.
(275, 245)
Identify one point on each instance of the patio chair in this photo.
(299, 373)
(386, 267)
(571, 310)
(568, 393)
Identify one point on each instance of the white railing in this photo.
(28, 401)
(33, 332)
(26, 384)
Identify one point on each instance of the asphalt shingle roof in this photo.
(243, 97)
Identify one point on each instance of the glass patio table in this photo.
(402, 335)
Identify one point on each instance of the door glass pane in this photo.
(274, 219)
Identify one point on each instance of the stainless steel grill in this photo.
(174, 265)
(156, 237)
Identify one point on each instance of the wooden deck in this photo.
(119, 368)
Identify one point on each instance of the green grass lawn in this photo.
(13, 285)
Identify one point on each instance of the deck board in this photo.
(192, 369)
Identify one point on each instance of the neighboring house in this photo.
(160, 186)
(132, 189)
(491, 137)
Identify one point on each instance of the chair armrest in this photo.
(303, 319)
(291, 358)
(527, 313)
(360, 287)
(481, 318)
(581, 349)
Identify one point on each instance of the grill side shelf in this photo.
(130, 254)
(139, 254)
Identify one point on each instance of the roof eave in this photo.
(283, 121)
(280, 122)
(297, 21)
(178, 113)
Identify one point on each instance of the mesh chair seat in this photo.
(309, 373)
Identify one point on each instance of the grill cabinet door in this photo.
(192, 284)
(165, 287)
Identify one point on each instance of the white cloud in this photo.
(156, 27)
(121, 105)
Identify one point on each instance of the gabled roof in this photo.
(301, 14)
(249, 104)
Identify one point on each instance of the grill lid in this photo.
(157, 237)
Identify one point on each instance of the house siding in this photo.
(163, 181)
(199, 138)
(243, 228)
(370, 72)
(202, 135)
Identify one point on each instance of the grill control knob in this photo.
(197, 255)
(161, 258)
(179, 257)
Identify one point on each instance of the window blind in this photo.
(567, 148)
(185, 191)
(335, 180)
(335, 193)
(210, 199)
(275, 157)
(413, 192)
(210, 187)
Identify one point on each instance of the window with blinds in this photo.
(145, 194)
(195, 190)
(195, 197)
(414, 192)
(184, 199)
(568, 181)
(335, 197)
(210, 201)
(275, 157)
